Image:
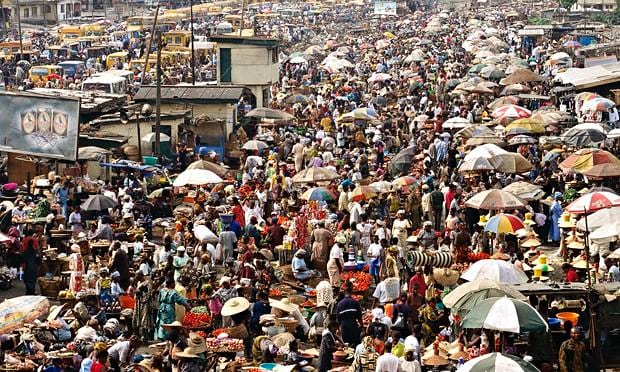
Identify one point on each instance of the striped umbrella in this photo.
(404, 181)
(504, 224)
(597, 104)
(505, 314)
(363, 193)
(318, 193)
(498, 362)
(584, 159)
(512, 111)
(593, 202)
(494, 199)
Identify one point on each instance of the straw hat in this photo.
(285, 305)
(266, 253)
(341, 239)
(577, 244)
(581, 264)
(541, 260)
(566, 222)
(500, 256)
(196, 343)
(445, 276)
(235, 305)
(528, 219)
(175, 324)
(531, 242)
(187, 353)
(55, 311)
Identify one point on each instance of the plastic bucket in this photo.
(573, 317)
(537, 273)
(554, 323)
(149, 160)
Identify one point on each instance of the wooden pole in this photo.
(158, 98)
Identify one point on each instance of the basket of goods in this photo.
(224, 345)
(197, 317)
(275, 293)
(290, 324)
(50, 286)
(361, 280)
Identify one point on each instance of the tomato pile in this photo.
(197, 317)
(473, 257)
(311, 293)
(275, 293)
(308, 303)
(361, 282)
(358, 298)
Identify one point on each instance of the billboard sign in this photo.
(40, 125)
(385, 7)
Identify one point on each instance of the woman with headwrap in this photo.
(365, 356)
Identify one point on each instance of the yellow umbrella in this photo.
(389, 35)
(529, 125)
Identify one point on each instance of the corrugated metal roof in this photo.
(194, 93)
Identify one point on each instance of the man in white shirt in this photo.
(120, 353)
(387, 362)
(88, 333)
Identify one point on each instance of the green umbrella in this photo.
(505, 315)
(477, 68)
(472, 299)
(498, 362)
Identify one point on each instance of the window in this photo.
(26, 13)
(62, 8)
(274, 55)
(35, 11)
(225, 65)
(48, 9)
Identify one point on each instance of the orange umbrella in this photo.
(584, 159)
(363, 193)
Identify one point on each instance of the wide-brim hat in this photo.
(175, 324)
(235, 305)
(531, 242)
(285, 305)
(196, 344)
(341, 239)
(577, 244)
(187, 353)
(266, 253)
(445, 276)
(581, 264)
(500, 256)
(565, 221)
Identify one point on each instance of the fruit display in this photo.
(308, 303)
(311, 292)
(275, 293)
(197, 317)
(357, 298)
(224, 345)
(361, 280)
(473, 257)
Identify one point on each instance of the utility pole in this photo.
(19, 28)
(191, 40)
(242, 15)
(148, 49)
(158, 98)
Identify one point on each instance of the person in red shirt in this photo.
(237, 210)
(571, 274)
(101, 363)
(418, 279)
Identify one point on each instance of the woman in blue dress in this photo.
(555, 213)
(168, 297)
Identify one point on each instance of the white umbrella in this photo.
(203, 234)
(481, 283)
(151, 137)
(196, 177)
(599, 218)
(505, 314)
(496, 362)
(456, 123)
(255, 145)
(607, 233)
(297, 60)
(498, 270)
(485, 151)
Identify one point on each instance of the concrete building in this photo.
(248, 61)
(594, 5)
(46, 12)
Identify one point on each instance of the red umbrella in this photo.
(54, 77)
(593, 202)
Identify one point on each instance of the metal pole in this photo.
(158, 98)
(191, 27)
(242, 15)
(148, 49)
(19, 27)
(139, 136)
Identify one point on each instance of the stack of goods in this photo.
(361, 280)
(197, 317)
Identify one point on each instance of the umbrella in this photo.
(483, 140)
(157, 193)
(318, 193)
(456, 123)
(267, 113)
(470, 300)
(547, 117)
(297, 60)
(511, 162)
(607, 233)
(503, 101)
(525, 190)
(496, 362)
(603, 171)
(512, 111)
(583, 136)
(477, 284)
(504, 224)
(297, 98)
(98, 203)
(315, 174)
(522, 139)
(196, 177)
(571, 44)
(476, 165)
(585, 159)
(473, 131)
(514, 89)
(597, 104)
(17, 311)
(481, 89)
(495, 199)
(614, 133)
(211, 166)
(362, 193)
(599, 218)
(404, 181)
(92, 153)
(382, 187)
(203, 234)
(379, 77)
(477, 68)
(505, 314)
(496, 270)
(255, 145)
(521, 76)
(485, 151)
(163, 137)
(313, 50)
(593, 201)
(559, 56)
(402, 161)
(379, 101)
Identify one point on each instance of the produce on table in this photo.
(197, 317)
(361, 280)
(275, 293)
(224, 344)
(308, 303)
(311, 293)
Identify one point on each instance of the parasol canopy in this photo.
(485, 151)
(584, 135)
(511, 162)
(318, 193)
(315, 174)
(495, 199)
(456, 123)
(599, 218)
(92, 153)
(476, 165)
(477, 284)
(98, 203)
(585, 159)
(511, 111)
(469, 301)
(603, 171)
(504, 224)
(208, 165)
(505, 314)
(496, 362)
(593, 201)
(522, 139)
(363, 193)
(496, 270)
(525, 190)
(255, 145)
(524, 126)
(268, 113)
(521, 76)
(196, 177)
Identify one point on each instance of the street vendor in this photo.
(335, 265)
(168, 297)
(299, 267)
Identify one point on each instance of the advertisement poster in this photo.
(385, 7)
(40, 126)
